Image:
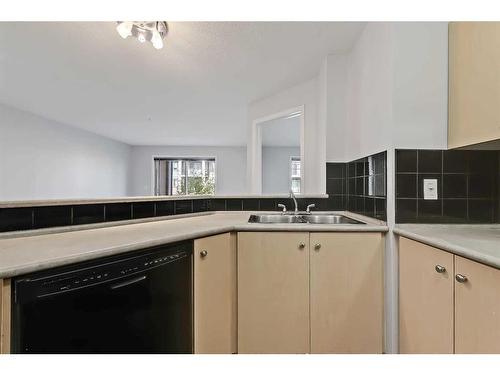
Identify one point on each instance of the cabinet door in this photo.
(215, 294)
(477, 308)
(425, 298)
(5, 294)
(273, 292)
(474, 83)
(346, 292)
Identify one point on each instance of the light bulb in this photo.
(141, 37)
(124, 29)
(157, 40)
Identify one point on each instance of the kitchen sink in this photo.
(302, 219)
(276, 219)
(330, 219)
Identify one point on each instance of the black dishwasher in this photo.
(140, 303)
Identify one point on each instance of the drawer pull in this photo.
(203, 253)
(440, 269)
(461, 278)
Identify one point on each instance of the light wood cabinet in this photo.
(215, 301)
(273, 292)
(454, 311)
(5, 298)
(477, 308)
(425, 299)
(474, 83)
(346, 292)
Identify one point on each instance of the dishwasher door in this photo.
(134, 305)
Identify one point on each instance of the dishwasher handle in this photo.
(135, 280)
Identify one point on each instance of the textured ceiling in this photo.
(194, 91)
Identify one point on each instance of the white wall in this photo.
(420, 87)
(389, 91)
(43, 159)
(230, 166)
(276, 168)
(305, 94)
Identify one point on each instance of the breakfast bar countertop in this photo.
(43, 249)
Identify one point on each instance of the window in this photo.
(185, 176)
(295, 174)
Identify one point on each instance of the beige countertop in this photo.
(25, 254)
(479, 242)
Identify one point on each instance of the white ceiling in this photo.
(194, 91)
(281, 132)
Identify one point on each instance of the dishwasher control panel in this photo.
(40, 287)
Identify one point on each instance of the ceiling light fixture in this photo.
(151, 31)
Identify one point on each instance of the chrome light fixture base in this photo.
(150, 31)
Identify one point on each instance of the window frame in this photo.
(290, 174)
(184, 158)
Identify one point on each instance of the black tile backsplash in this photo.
(468, 186)
(16, 219)
(234, 204)
(141, 210)
(359, 186)
(201, 205)
(184, 207)
(250, 204)
(88, 213)
(118, 211)
(165, 208)
(52, 216)
(406, 160)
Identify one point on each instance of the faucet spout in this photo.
(292, 195)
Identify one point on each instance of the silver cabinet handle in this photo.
(440, 269)
(461, 278)
(203, 253)
(302, 245)
(317, 246)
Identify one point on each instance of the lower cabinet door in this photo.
(477, 307)
(425, 299)
(215, 294)
(5, 306)
(273, 292)
(346, 292)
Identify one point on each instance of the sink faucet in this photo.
(292, 195)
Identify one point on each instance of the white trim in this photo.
(256, 144)
(153, 157)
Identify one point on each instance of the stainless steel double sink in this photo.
(279, 218)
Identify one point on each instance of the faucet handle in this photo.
(282, 206)
(309, 206)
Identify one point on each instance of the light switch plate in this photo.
(430, 188)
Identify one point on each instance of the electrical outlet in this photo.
(430, 188)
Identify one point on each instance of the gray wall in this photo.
(43, 159)
(230, 166)
(276, 168)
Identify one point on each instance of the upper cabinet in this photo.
(474, 83)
